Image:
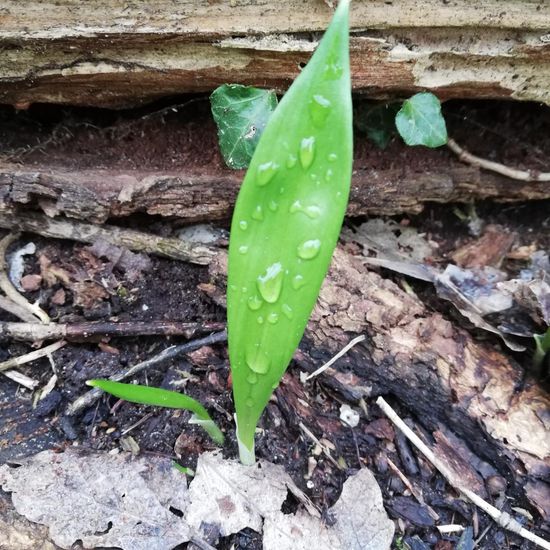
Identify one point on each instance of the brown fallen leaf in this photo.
(30, 283)
(101, 499)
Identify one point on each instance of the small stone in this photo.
(349, 416)
(59, 297)
(30, 283)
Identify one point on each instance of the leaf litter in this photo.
(140, 503)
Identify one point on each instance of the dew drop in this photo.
(307, 152)
(291, 161)
(243, 225)
(270, 283)
(258, 213)
(328, 174)
(311, 211)
(273, 206)
(332, 157)
(252, 378)
(243, 249)
(287, 310)
(319, 109)
(265, 172)
(250, 402)
(298, 282)
(273, 318)
(254, 303)
(260, 320)
(333, 68)
(309, 249)
(257, 361)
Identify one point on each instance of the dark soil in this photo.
(169, 291)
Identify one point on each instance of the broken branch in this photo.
(139, 241)
(502, 518)
(497, 167)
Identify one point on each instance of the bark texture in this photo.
(97, 195)
(73, 53)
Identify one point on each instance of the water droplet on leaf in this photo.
(265, 172)
(307, 152)
(250, 402)
(243, 225)
(298, 282)
(257, 361)
(258, 213)
(243, 249)
(270, 283)
(287, 310)
(291, 161)
(252, 378)
(254, 303)
(309, 249)
(332, 157)
(319, 109)
(273, 206)
(273, 318)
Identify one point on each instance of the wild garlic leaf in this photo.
(420, 122)
(240, 113)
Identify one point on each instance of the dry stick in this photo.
(9, 290)
(416, 494)
(176, 249)
(165, 355)
(15, 309)
(502, 518)
(315, 440)
(514, 173)
(342, 352)
(20, 378)
(32, 356)
(86, 331)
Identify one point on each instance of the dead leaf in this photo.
(234, 496)
(489, 250)
(30, 283)
(101, 499)
(131, 263)
(361, 523)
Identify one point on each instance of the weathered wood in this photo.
(97, 195)
(78, 54)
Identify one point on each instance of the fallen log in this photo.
(59, 54)
(438, 371)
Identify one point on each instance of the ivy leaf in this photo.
(377, 120)
(240, 113)
(420, 122)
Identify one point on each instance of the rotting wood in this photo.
(97, 195)
(438, 371)
(139, 241)
(64, 54)
(96, 331)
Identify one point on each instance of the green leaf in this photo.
(241, 113)
(161, 398)
(542, 347)
(420, 122)
(377, 120)
(286, 223)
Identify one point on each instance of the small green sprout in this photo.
(161, 398)
(542, 347)
(286, 223)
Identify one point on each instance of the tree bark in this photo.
(143, 51)
(97, 195)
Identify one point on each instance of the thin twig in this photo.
(9, 290)
(176, 249)
(169, 353)
(21, 379)
(93, 331)
(315, 440)
(415, 493)
(342, 352)
(15, 309)
(502, 518)
(32, 356)
(514, 173)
